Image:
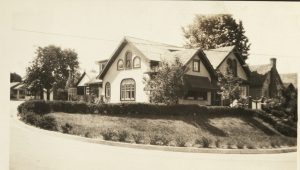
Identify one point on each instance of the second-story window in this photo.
(137, 62)
(196, 65)
(120, 65)
(128, 60)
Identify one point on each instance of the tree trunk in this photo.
(41, 94)
(48, 94)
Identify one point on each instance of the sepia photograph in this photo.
(151, 84)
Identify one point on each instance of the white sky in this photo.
(273, 28)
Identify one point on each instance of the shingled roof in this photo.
(259, 74)
(158, 52)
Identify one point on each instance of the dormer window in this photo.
(120, 65)
(137, 62)
(128, 60)
(196, 65)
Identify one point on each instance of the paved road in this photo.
(36, 149)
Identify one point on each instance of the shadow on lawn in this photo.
(202, 121)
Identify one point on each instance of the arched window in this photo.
(128, 59)
(120, 65)
(107, 90)
(234, 68)
(137, 62)
(127, 90)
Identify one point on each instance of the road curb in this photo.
(160, 148)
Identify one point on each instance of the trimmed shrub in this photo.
(141, 109)
(47, 122)
(34, 106)
(110, 134)
(66, 128)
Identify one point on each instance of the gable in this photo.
(241, 73)
(204, 72)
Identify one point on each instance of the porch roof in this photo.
(198, 83)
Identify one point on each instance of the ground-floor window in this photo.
(127, 90)
(196, 95)
(244, 91)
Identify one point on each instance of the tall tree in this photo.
(14, 77)
(166, 84)
(214, 31)
(50, 67)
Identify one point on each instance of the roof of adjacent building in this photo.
(14, 84)
(88, 78)
(259, 74)
(289, 78)
(158, 52)
(198, 83)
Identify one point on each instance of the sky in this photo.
(95, 28)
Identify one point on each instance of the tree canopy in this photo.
(166, 85)
(50, 67)
(214, 31)
(14, 77)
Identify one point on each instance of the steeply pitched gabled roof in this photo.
(259, 74)
(157, 52)
(218, 55)
(88, 78)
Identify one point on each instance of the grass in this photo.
(219, 131)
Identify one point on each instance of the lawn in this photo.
(207, 131)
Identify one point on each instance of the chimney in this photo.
(273, 62)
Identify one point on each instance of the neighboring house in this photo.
(15, 91)
(225, 58)
(18, 91)
(135, 59)
(88, 84)
(265, 81)
(289, 80)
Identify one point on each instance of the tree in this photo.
(166, 84)
(229, 85)
(214, 31)
(49, 68)
(14, 77)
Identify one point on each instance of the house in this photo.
(18, 91)
(134, 59)
(265, 81)
(88, 84)
(225, 58)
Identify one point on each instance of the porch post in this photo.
(18, 94)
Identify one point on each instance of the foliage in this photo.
(166, 85)
(49, 68)
(195, 112)
(14, 77)
(43, 121)
(290, 103)
(67, 128)
(213, 31)
(229, 86)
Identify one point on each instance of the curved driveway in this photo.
(36, 149)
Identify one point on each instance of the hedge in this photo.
(41, 107)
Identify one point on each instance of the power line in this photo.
(160, 44)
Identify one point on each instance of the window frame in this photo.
(133, 61)
(126, 59)
(118, 68)
(134, 90)
(198, 61)
(106, 86)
